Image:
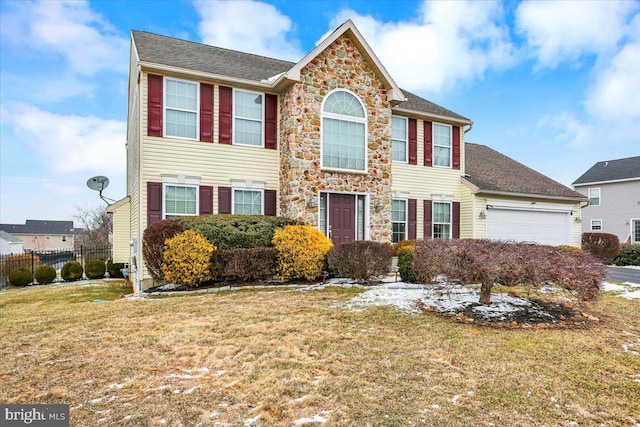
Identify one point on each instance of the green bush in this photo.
(71, 271)
(45, 274)
(244, 264)
(236, 231)
(605, 246)
(187, 259)
(629, 255)
(405, 264)
(302, 251)
(114, 269)
(360, 260)
(20, 277)
(95, 269)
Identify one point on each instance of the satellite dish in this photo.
(99, 183)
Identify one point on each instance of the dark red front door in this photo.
(342, 218)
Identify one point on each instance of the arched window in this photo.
(344, 129)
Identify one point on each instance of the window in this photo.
(247, 122)
(398, 220)
(343, 132)
(180, 200)
(64, 238)
(441, 220)
(247, 202)
(441, 145)
(399, 139)
(181, 109)
(635, 231)
(596, 224)
(594, 197)
(48, 237)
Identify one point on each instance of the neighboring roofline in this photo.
(432, 116)
(477, 190)
(395, 93)
(611, 181)
(115, 205)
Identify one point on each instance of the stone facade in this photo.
(340, 66)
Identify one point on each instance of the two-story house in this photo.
(330, 140)
(613, 189)
(41, 235)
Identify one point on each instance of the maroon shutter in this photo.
(206, 112)
(206, 200)
(154, 202)
(225, 113)
(224, 200)
(413, 216)
(154, 105)
(456, 220)
(428, 143)
(413, 142)
(428, 223)
(456, 147)
(270, 121)
(270, 202)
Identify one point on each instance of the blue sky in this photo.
(554, 85)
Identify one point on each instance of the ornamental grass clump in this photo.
(187, 258)
(302, 251)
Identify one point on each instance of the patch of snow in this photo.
(612, 287)
(190, 390)
(176, 391)
(572, 423)
(214, 414)
(633, 267)
(631, 295)
(455, 399)
(101, 420)
(250, 421)
(98, 400)
(470, 393)
(181, 376)
(168, 287)
(436, 406)
(320, 418)
(162, 421)
(116, 386)
(218, 373)
(300, 399)
(127, 418)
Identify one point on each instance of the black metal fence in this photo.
(56, 258)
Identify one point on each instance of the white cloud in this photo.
(67, 28)
(248, 26)
(563, 31)
(569, 129)
(448, 43)
(69, 143)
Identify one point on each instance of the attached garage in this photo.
(523, 225)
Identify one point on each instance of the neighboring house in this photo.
(509, 201)
(10, 244)
(38, 235)
(613, 190)
(330, 140)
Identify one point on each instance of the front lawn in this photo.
(288, 357)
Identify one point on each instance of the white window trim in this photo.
(591, 225)
(342, 117)
(234, 117)
(433, 219)
(166, 184)
(406, 139)
(631, 230)
(248, 188)
(599, 195)
(434, 145)
(164, 108)
(406, 217)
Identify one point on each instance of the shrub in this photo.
(15, 261)
(402, 244)
(603, 245)
(94, 269)
(236, 231)
(114, 269)
(302, 251)
(187, 259)
(45, 274)
(21, 277)
(244, 264)
(405, 264)
(629, 255)
(71, 271)
(153, 240)
(360, 260)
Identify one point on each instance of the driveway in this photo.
(621, 274)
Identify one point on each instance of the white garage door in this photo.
(548, 228)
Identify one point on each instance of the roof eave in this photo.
(463, 121)
(531, 195)
(610, 181)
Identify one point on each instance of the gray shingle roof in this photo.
(492, 171)
(157, 49)
(9, 237)
(34, 226)
(611, 170)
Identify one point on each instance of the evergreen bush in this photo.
(95, 269)
(45, 274)
(115, 269)
(21, 277)
(187, 259)
(71, 271)
(302, 251)
(405, 264)
(629, 255)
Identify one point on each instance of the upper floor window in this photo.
(442, 220)
(343, 132)
(441, 145)
(594, 197)
(596, 224)
(399, 220)
(180, 200)
(635, 231)
(247, 118)
(181, 108)
(64, 238)
(399, 139)
(247, 202)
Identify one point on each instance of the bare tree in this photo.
(95, 226)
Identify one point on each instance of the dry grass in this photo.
(279, 356)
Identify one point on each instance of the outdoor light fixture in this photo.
(578, 220)
(378, 206)
(312, 203)
(483, 214)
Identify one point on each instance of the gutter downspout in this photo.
(470, 127)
